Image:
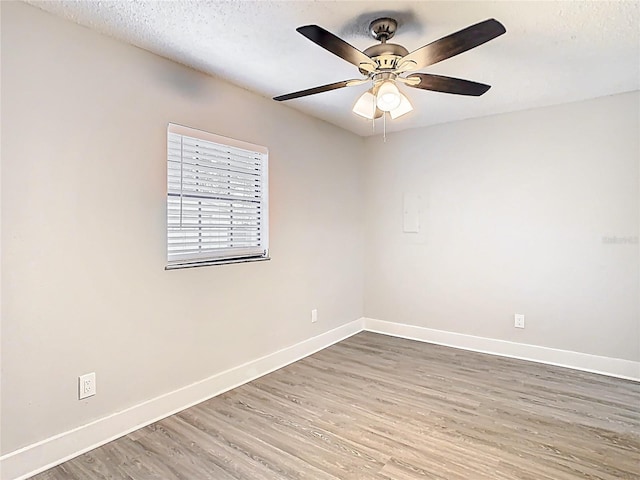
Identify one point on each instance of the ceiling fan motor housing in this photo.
(386, 55)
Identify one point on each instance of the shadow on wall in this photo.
(187, 82)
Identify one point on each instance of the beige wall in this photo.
(514, 211)
(83, 228)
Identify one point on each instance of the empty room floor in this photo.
(378, 407)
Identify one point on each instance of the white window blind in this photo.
(217, 199)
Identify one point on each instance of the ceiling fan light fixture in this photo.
(404, 107)
(388, 97)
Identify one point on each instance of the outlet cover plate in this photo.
(519, 320)
(86, 385)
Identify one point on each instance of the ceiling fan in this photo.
(384, 65)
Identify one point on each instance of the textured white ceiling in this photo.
(553, 52)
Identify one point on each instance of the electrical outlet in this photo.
(519, 320)
(314, 315)
(87, 385)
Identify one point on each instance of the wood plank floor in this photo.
(380, 408)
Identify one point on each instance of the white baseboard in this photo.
(40, 456)
(614, 367)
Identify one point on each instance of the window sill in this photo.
(209, 263)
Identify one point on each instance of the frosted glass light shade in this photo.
(366, 105)
(404, 107)
(388, 97)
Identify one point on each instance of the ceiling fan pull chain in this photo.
(384, 127)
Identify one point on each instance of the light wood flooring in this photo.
(380, 408)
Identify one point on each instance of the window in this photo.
(217, 199)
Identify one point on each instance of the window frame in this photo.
(259, 203)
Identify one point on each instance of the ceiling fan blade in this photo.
(456, 43)
(457, 86)
(313, 91)
(335, 45)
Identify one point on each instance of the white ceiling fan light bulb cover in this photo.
(404, 107)
(366, 105)
(388, 97)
